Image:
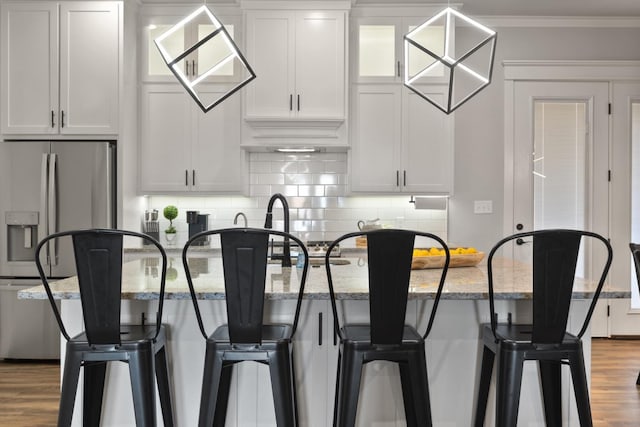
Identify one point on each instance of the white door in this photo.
(561, 163)
(625, 206)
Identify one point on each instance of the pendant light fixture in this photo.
(212, 41)
(465, 63)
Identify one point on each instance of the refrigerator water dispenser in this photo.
(22, 235)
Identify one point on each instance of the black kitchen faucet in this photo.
(268, 223)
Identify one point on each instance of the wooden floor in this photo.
(29, 391)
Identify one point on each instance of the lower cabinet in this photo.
(183, 149)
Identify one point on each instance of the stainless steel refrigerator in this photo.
(46, 187)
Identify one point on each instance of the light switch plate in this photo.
(483, 206)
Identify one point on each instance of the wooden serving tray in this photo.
(457, 260)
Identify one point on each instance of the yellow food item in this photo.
(440, 252)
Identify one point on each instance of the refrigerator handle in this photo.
(52, 207)
(43, 220)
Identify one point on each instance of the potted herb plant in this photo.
(170, 212)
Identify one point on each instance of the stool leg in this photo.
(164, 389)
(210, 385)
(94, 375)
(551, 380)
(419, 384)
(142, 385)
(280, 369)
(580, 387)
(70, 376)
(335, 397)
(349, 388)
(510, 365)
(407, 393)
(488, 357)
(222, 402)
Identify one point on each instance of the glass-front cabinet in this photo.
(202, 60)
(379, 54)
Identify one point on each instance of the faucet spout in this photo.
(240, 214)
(268, 223)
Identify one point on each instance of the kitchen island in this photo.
(453, 347)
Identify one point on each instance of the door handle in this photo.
(53, 124)
(320, 329)
(52, 208)
(193, 177)
(62, 118)
(290, 102)
(298, 102)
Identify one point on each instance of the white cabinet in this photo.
(299, 60)
(183, 149)
(155, 22)
(60, 67)
(378, 48)
(400, 142)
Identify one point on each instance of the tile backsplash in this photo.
(315, 186)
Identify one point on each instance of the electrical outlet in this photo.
(483, 206)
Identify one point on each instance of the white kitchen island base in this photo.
(454, 350)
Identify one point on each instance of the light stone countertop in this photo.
(140, 281)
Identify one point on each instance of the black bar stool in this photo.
(386, 336)
(635, 252)
(98, 257)
(555, 256)
(245, 337)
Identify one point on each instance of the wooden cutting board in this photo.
(457, 260)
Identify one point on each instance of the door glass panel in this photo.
(560, 174)
(377, 50)
(635, 193)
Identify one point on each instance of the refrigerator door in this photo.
(81, 194)
(23, 197)
(47, 187)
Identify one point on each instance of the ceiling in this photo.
(607, 8)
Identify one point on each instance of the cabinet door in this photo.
(427, 146)
(89, 67)
(30, 68)
(270, 46)
(320, 64)
(216, 157)
(165, 148)
(375, 153)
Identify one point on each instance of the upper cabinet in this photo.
(299, 58)
(153, 67)
(299, 95)
(185, 150)
(60, 67)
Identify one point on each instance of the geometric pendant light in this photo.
(216, 44)
(466, 64)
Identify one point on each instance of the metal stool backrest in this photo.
(389, 254)
(244, 260)
(555, 256)
(98, 256)
(635, 252)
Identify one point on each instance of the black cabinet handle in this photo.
(62, 118)
(404, 177)
(193, 68)
(52, 122)
(298, 102)
(193, 177)
(398, 67)
(320, 329)
(186, 178)
(397, 178)
(521, 242)
(290, 102)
